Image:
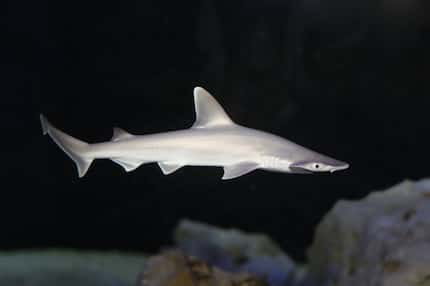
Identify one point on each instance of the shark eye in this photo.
(317, 166)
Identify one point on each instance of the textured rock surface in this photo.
(174, 268)
(236, 251)
(383, 239)
(60, 268)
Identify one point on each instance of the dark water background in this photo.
(349, 79)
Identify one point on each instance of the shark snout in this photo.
(339, 167)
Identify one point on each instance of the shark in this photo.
(213, 140)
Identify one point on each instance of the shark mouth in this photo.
(299, 170)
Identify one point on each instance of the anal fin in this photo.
(168, 168)
(234, 171)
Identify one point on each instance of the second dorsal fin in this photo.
(209, 112)
(120, 134)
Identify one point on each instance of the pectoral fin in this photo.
(168, 168)
(234, 171)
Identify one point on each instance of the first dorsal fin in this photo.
(209, 112)
(119, 134)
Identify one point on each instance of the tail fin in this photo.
(73, 147)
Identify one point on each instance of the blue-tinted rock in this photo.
(382, 240)
(236, 251)
(174, 268)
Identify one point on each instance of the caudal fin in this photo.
(74, 148)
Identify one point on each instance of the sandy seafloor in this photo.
(69, 268)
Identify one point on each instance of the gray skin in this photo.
(213, 140)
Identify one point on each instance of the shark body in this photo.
(213, 140)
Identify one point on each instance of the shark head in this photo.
(296, 159)
(317, 163)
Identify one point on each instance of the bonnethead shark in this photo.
(213, 140)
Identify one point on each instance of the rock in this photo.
(66, 268)
(235, 251)
(383, 239)
(174, 268)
